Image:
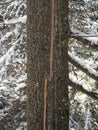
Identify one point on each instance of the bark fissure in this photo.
(48, 77)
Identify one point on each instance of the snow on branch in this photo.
(6, 58)
(81, 88)
(16, 21)
(4, 37)
(8, 2)
(89, 39)
(82, 66)
(4, 3)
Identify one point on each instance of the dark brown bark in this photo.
(38, 39)
(38, 48)
(60, 77)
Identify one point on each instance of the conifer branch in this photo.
(85, 70)
(80, 88)
(84, 40)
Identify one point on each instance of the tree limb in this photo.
(84, 40)
(85, 70)
(80, 88)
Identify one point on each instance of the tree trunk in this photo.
(38, 39)
(38, 49)
(60, 72)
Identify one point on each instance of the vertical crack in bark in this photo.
(48, 77)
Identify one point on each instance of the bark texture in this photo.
(60, 77)
(38, 39)
(38, 48)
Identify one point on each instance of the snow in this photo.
(16, 21)
(91, 37)
(83, 64)
(72, 122)
(87, 116)
(6, 58)
(11, 39)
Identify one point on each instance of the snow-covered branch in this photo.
(91, 40)
(82, 66)
(81, 88)
(4, 3)
(16, 21)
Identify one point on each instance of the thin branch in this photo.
(16, 21)
(80, 88)
(85, 70)
(90, 35)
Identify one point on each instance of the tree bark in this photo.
(38, 48)
(60, 72)
(38, 39)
